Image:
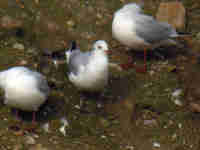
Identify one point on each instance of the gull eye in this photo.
(99, 47)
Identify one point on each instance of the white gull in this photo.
(88, 71)
(24, 89)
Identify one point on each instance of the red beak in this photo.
(108, 52)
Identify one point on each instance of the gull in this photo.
(88, 71)
(133, 28)
(24, 89)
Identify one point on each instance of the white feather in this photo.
(24, 89)
(92, 76)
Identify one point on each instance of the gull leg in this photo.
(33, 123)
(130, 64)
(17, 125)
(145, 60)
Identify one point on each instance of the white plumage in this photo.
(24, 89)
(136, 30)
(89, 70)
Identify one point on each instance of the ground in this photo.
(137, 111)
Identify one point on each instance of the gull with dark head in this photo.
(88, 71)
(24, 89)
(133, 28)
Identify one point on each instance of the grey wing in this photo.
(42, 83)
(151, 30)
(78, 59)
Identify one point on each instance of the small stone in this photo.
(180, 125)
(45, 127)
(23, 62)
(99, 16)
(172, 12)
(156, 144)
(177, 93)
(103, 137)
(18, 46)
(38, 147)
(195, 107)
(70, 23)
(30, 140)
(178, 102)
(198, 36)
(62, 130)
(150, 122)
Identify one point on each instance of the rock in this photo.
(172, 12)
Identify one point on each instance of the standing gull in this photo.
(24, 89)
(88, 71)
(133, 28)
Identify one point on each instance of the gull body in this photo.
(133, 28)
(88, 71)
(24, 89)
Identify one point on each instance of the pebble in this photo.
(70, 23)
(38, 147)
(178, 102)
(156, 144)
(30, 140)
(195, 107)
(177, 93)
(45, 127)
(18, 46)
(62, 130)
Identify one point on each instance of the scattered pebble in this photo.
(128, 147)
(62, 130)
(150, 122)
(70, 23)
(103, 137)
(45, 127)
(77, 107)
(195, 107)
(180, 125)
(175, 96)
(65, 123)
(30, 140)
(18, 46)
(177, 93)
(156, 144)
(178, 102)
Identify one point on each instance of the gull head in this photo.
(101, 46)
(132, 7)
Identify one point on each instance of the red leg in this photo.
(145, 60)
(130, 64)
(33, 126)
(34, 118)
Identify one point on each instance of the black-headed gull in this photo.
(133, 28)
(88, 71)
(24, 89)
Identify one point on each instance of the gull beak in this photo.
(108, 52)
